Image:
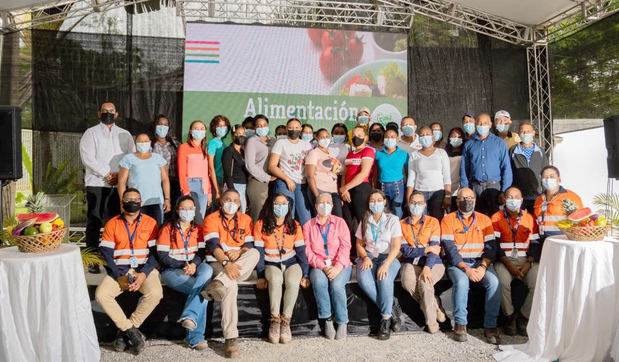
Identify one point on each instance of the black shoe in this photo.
(509, 326)
(396, 316)
(94, 269)
(521, 324)
(136, 339)
(384, 332)
(120, 344)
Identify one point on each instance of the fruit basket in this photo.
(585, 233)
(40, 243)
(584, 225)
(38, 232)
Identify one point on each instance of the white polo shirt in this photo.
(387, 228)
(410, 147)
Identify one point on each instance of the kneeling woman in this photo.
(180, 250)
(379, 238)
(279, 239)
(328, 253)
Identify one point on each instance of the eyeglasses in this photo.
(281, 203)
(418, 203)
(470, 198)
(133, 200)
(186, 208)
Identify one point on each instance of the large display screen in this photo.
(316, 75)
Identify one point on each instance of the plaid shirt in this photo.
(168, 152)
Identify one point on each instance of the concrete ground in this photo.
(409, 346)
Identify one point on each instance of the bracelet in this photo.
(483, 266)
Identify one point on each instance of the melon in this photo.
(580, 214)
(40, 218)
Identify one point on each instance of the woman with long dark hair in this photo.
(180, 250)
(219, 128)
(165, 144)
(279, 239)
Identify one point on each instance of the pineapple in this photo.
(569, 207)
(35, 203)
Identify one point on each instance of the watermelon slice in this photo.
(40, 218)
(580, 214)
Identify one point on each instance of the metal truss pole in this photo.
(540, 105)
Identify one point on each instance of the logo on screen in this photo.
(202, 51)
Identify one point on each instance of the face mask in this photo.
(549, 183)
(390, 143)
(230, 207)
(466, 206)
(324, 209)
(469, 128)
(526, 138)
(280, 210)
(357, 141)
(282, 137)
(198, 135)
(221, 131)
(339, 138)
(363, 119)
(293, 134)
(416, 210)
(107, 118)
(377, 207)
(131, 206)
(513, 204)
(502, 128)
(240, 140)
(142, 147)
(426, 141)
(307, 137)
(408, 130)
(262, 131)
(161, 131)
(187, 215)
(483, 130)
(455, 142)
(324, 142)
(438, 135)
(249, 132)
(376, 136)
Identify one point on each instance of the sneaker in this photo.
(201, 346)
(120, 344)
(460, 333)
(329, 329)
(492, 335)
(285, 334)
(509, 327)
(94, 269)
(432, 328)
(440, 313)
(342, 330)
(396, 316)
(385, 329)
(214, 291)
(136, 339)
(521, 324)
(274, 328)
(231, 348)
(188, 324)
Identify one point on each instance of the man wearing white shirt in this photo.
(101, 149)
(409, 141)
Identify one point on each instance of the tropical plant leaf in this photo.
(609, 206)
(90, 257)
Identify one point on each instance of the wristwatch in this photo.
(224, 263)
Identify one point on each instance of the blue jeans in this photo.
(297, 198)
(195, 306)
(461, 284)
(199, 198)
(242, 189)
(395, 192)
(331, 293)
(379, 291)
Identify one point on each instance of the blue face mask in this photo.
(483, 130)
(455, 141)
(280, 210)
(416, 210)
(249, 132)
(339, 138)
(161, 131)
(282, 137)
(142, 147)
(363, 119)
(549, 183)
(221, 131)
(187, 215)
(469, 128)
(526, 138)
(198, 135)
(307, 137)
(513, 204)
(262, 131)
(408, 130)
(426, 141)
(377, 207)
(390, 143)
(438, 135)
(502, 128)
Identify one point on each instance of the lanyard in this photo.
(130, 235)
(466, 228)
(225, 223)
(376, 231)
(324, 238)
(544, 209)
(281, 249)
(514, 230)
(421, 222)
(185, 240)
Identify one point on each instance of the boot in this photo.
(460, 333)
(214, 291)
(231, 348)
(396, 316)
(433, 328)
(120, 344)
(440, 312)
(342, 330)
(274, 328)
(136, 339)
(285, 334)
(201, 346)
(329, 329)
(385, 329)
(492, 335)
(521, 324)
(510, 325)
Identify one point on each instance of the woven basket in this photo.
(40, 243)
(586, 233)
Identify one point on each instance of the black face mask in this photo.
(376, 136)
(240, 140)
(131, 206)
(107, 118)
(357, 141)
(293, 134)
(466, 206)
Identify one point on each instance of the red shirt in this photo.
(353, 162)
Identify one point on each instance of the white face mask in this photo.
(324, 142)
(230, 207)
(142, 147)
(324, 209)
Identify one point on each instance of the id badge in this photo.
(328, 262)
(133, 262)
(283, 267)
(514, 253)
(416, 260)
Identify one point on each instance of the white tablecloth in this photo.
(45, 312)
(574, 312)
(614, 353)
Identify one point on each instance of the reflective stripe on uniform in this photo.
(107, 244)
(128, 252)
(127, 261)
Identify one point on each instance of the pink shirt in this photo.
(338, 243)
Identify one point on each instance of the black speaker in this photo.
(611, 133)
(10, 146)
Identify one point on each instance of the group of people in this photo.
(476, 207)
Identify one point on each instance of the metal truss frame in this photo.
(581, 15)
(540, 101)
